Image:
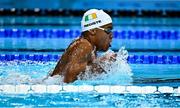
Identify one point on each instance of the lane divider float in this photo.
(70, 33)
(25, 89)
(133, 59)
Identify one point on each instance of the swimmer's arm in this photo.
(57, 69)
(73, 70)
(78, 62)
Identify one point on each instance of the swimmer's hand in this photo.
(97, 65)
(108, 57)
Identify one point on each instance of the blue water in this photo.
(33, 72)
(74, 22)
(90, 100)
(62, 43)
(143, 74)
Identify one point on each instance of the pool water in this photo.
(147, 76)
(143, 74)
(140, 75)
(90, 100)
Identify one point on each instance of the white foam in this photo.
(117, 72)
(57, 79)
(1, 88)
(15, 78)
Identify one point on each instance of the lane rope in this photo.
(70, 33)
(133, 59)
(25, 89)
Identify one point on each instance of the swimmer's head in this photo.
(94, 18)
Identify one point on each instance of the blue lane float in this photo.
(68, 33)
(133, 59)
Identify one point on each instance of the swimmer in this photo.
(96, 36)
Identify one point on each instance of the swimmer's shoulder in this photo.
(82, 43)
(86, 42)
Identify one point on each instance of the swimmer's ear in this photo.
(92, 31)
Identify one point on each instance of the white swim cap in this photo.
(94, 18)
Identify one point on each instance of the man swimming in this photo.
(96, 36)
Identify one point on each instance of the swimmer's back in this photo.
(79, 53)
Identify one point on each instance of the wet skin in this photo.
(82, 53)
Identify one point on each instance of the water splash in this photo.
(57, 79)
(24, 72)
(117, 72)
(28, 72)
(15, 78)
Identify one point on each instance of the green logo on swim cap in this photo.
(90, 17)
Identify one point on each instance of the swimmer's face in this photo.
(104, 37)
